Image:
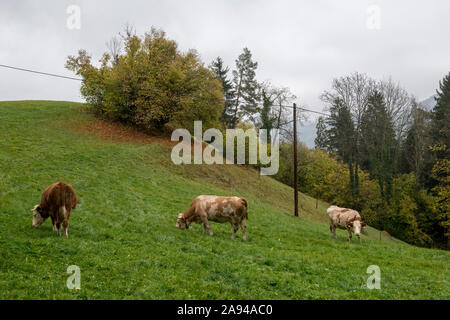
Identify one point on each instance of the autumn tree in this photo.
(150, 84)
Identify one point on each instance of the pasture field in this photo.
(122, 234)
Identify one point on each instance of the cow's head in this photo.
(181, 222)
(38, 217)
(356, 225)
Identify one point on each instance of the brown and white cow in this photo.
(215, 208)
(347, 219)
(57, 201)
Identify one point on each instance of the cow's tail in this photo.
(245, 203)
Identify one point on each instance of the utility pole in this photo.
(295, 162)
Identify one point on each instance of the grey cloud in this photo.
(299, 44)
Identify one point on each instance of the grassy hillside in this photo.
(123, 237)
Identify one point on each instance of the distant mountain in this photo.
(428, 104)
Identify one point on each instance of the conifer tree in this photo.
(246, 87)
(341, 130)
(378, 136)
(321, 140)
(266, 119)
(228, 91)
(441, 149)
(440, 128)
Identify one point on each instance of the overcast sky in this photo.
(299, 44)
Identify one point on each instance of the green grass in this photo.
(123, 237)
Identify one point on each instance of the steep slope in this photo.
(123, 235)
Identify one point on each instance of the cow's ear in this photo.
(363, 224)
(349, 224)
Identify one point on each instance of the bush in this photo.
(151, 85)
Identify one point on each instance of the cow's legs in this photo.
(66, 227)
(66, 222)
(244, 230)
(206, 224)
(333, 231)
(55, 220)
(204, 228)
(60, 218)
(53, 223)
(235, 229)
(349, 235)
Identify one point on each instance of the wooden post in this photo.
(295, 163)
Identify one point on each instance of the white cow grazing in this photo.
(346, 219)
(215, 208)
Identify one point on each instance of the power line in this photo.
(318, 112)
(303, 109)
(78, 79)
(40, 72)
